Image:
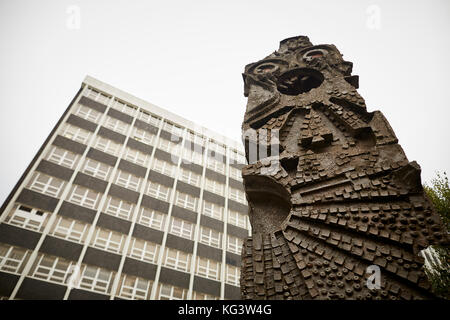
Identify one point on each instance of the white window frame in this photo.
(143, 250)
(152, 218)
(214, 186)
(238, 219)
(191, 156)
(107, 145)
(237, 195)
(87, 113)
(83, 196)
(124, 107)
(59, 270)
(107, 240)
(232, 275)
(143, 136)
(43, 183)
(134, 288)
(213, 210)
(170, 295)
(97, 96)
(203, 296)
(62, 157)
(119, 208)
(190, 177)
(185, 200)
(172, 128)
(96, 169)
(207, 268)
(210, 237)
(149, 118)
(71, 232)
(235, 174)
(94, 283)
(234, 244)
(27, 217)
(176, 259)
(127, 180)
(168, 146)
(136, 156)
(116, 125)
(75, 133)
(181, 228)
(164, 167)
(13, 259)
(158, 191)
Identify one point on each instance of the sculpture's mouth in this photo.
(269, 203)
(300, 80)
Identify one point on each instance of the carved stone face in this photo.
(327, 184)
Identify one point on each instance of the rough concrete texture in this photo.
(341, 195)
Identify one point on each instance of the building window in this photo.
(237, 157)
(70, 229)
(136, 156)
(213, 146)
(168, 292)
(116, 125)
(171, 128)
(236, 174)
(134, 288)
(210, 237)
(237, 195)
(123, 107)
(215, 165)
(182, 228)
(97, 96)
(196, 138)
(108, 240)
(46, 184)
(190, 177)
(106, 145)
(212, 210)
(96, 279)
(27, 217)
(87, 113)
(96, 169)
(177, 259)
(214, 186)
(62, 157)
(191, 156)
(84, 197)
(164, 167)
(152, 218)
(128, 180)
(186, 201)
(168, 146)
(13, 259)
(143, 250)
(119, 208)
(232, 275)
(143, 136)
(158, 191)
(149, 118)
(75, 133)
(51, 268)
(234, 244)
(208, 268)
(237, 219)
(203, 296)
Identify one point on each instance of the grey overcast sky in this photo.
(188, 56)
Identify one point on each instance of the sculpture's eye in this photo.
(316, 53)
(265, 68)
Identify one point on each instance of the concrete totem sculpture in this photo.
(337, 210)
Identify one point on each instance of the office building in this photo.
(125, 200)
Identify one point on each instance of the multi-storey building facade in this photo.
(125, 200)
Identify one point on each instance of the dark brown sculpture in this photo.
(340, 198)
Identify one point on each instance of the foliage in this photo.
(439, 274)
